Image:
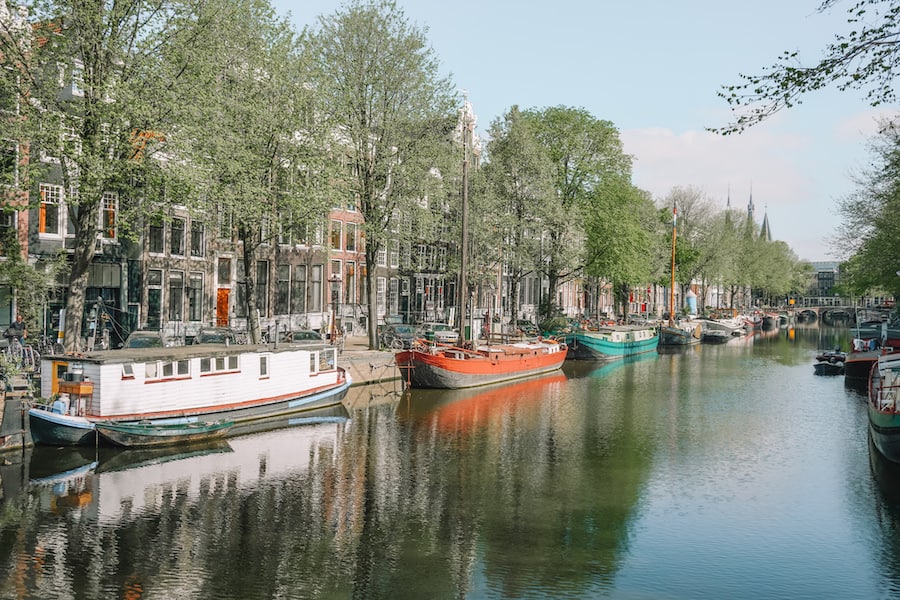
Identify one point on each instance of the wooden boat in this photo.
(732, 326)
(861, 359)
(239, 383)
(715, 336)
(680, 334)
(883, 407)
(676, 333)
(429, 365)
(132, 435)
(828, 368)
(611, 342)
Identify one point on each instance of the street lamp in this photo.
(335, 281)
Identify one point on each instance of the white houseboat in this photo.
(184, 384)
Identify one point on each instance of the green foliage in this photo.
(865, 58)
(388, 107)
(584, 152)
(518, 180)
(619, 243)
(870, 230)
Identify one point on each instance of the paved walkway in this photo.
(367, 366)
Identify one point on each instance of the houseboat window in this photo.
(184, 367)
(326, 360)
(313, 362)
(264, 366)
(205, 365)
(233, 363)
(128, 371)
(168, 369)
(220, 363)
(150, 370)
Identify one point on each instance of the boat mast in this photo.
(464, 251)
(672, 287)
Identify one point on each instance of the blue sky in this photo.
(653, 68)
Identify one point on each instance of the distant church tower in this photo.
(750, 208)
(764, 232)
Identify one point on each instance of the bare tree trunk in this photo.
(248, 256)
(371, 293)
(86, 216)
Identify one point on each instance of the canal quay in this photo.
(725, 471)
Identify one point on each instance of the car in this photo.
(442, 333)
(215, 335)
(303, 336)
(399, 336)
(145, 339)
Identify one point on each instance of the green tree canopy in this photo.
(389, 110)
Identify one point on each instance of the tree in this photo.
(249, 142)
(390, 113)
(519, 176)
(584, 151)
(870, 229)
(92, 79)
(865, 59)
(622, 241)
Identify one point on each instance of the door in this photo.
(222, 296)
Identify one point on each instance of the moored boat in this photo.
(680, 334)
(883, 407)
(428, 365)
(239, 383)
(828, 368)
(715, 336)
(611, 342)
(132, 435)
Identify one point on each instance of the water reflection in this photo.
(664, 475)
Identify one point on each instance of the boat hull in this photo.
(858, 365)
(679, 336)
(884, 406)
(51, 429)
(144, 435)
(457, 368)
(610, 344)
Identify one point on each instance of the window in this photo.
(108, 215)
(155, 237)
(8, 165)
(195, 297)
(350, 282)
(226, 225)
(395, 254)
(176, 295)
(394, 297)
(150, 370)
(350, 237)
(316, 289)
(224, 271)
(336, 235)
(176, 241)
(49, 219)
(264, 366)
(196, 238)
(382, 256)
(282, 289)
(154, 298)
(381, 294)
(298, 290)
(262, 287)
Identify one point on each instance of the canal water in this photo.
(725, 471)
